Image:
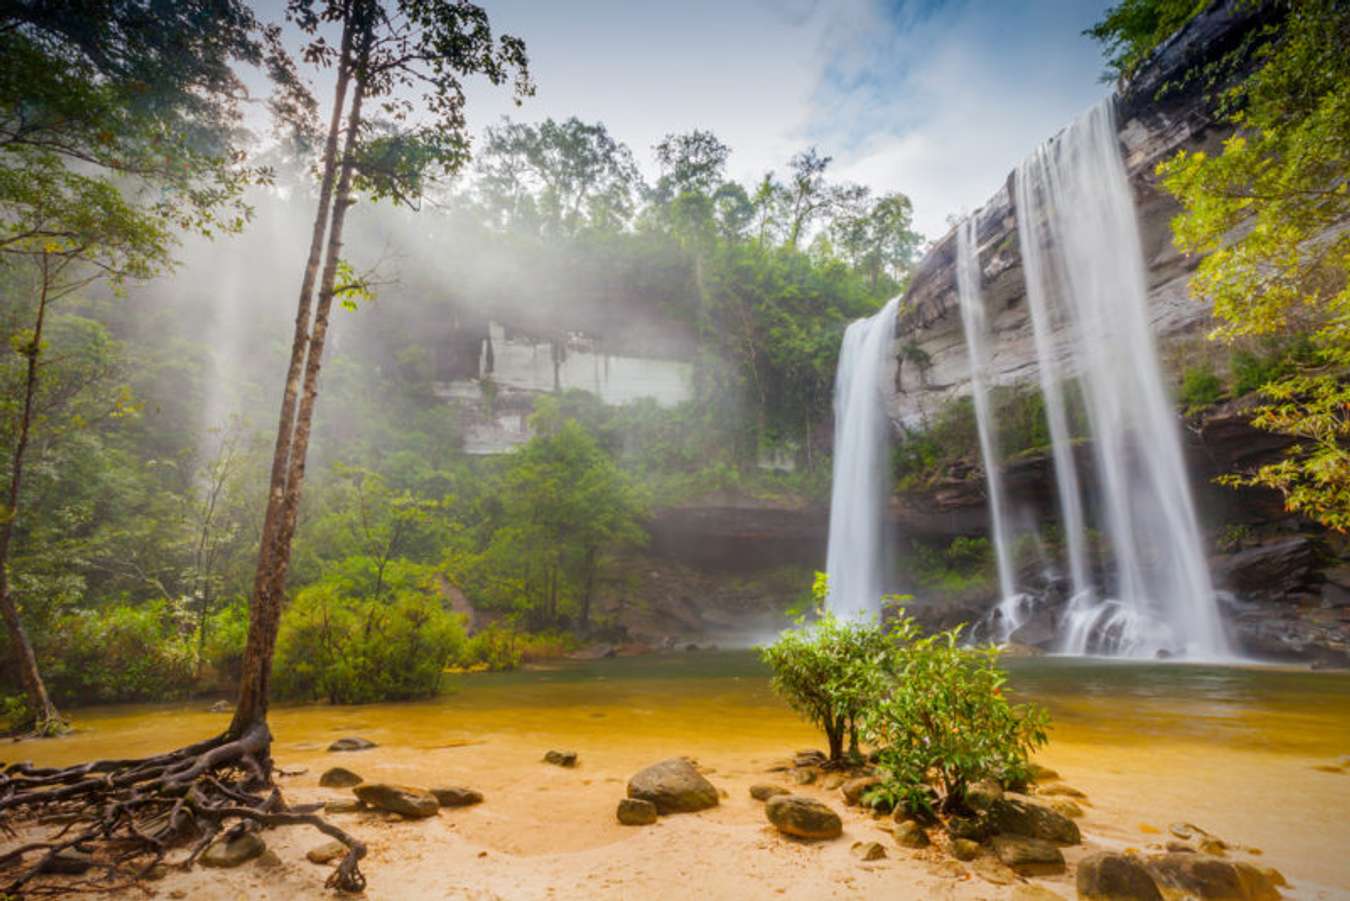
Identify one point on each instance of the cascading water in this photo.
(859, 560)
(1011, 610)
(1086, 284)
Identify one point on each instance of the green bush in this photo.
(121, 653)
(938, 718)
(825, 670)
(1200, 387)
(354, 651)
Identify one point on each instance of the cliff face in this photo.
(1154, 123)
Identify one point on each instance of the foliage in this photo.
(352, 650)
(940, 714)
(1267, 214)
(827, 669)
(1132, 29)
(554, 509)
(123, 653)
(1201, 387)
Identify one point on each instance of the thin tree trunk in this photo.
(46, 718)
(265, 610)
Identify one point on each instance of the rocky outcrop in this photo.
(933, 366)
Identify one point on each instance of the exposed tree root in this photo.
(131, 815)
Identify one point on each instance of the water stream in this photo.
(1011, 610)
(859, 559)
(1087, 292)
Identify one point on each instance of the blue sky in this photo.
(936, 98)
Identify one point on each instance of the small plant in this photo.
(1233, 537)
(827, 669)
(940, 721)
(1200, 388)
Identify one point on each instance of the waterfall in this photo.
(1086, 284)
(859, 561)
(975, 324)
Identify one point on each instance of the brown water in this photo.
(1258, 756)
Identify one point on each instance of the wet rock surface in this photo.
(636, 812)
(352, 743)
(457, 796)
(405, 800)
(674, 786)
(803, 817)
(339, 777)
(225, 853)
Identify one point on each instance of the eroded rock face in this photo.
(1270, 571)
(674, 786)
(803, 817)
(415, 803)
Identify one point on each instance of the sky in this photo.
(938, 99)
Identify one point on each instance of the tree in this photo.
(386, 53)
(806, 196)
(876, 235)
(1131, 29)
(560, 503)
(97, 109)
(568, 175)
(1267, 213)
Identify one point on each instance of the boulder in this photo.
(1028, 855)
(1067, 808)
(868, 851)
(234, 851)
(636, 812)
(1109, 876)
(344, 806)
(1060, 790)
(854, 789)
(1021, 816)
(457, 796)
(974, 828)
(983, 795)
(803, 817)
(1201, 876)
(352, 743)
(339, 777)
(763, 791)
(561, 758)
(965, 849)
(326, 853)
(834, 781)
(803, 775)
(415, 803)
(991, 870)
(909, 834)
(674, 786)
(810, 758)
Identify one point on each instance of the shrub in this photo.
(121, 653)
(355, 651)
(1200, 388)
(826, 669)
(937, 713)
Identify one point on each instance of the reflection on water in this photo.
(724, 699)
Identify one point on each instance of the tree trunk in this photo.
(273, 551)
(46, 718)
(589, 590)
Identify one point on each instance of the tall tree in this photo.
(117, 126)
(410, 57)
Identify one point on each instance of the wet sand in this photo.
(1237, 753)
